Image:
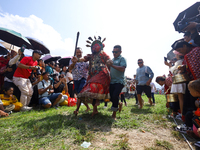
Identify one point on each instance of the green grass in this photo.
(60, 129)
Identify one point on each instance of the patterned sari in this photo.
(192, 62)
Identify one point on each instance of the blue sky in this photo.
(144, 28)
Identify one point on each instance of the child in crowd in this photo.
(194, 88)
(2, 113)
(9, 99)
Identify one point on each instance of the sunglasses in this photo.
(140, 62)
(115, 52)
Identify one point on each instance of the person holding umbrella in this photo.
(21, 78)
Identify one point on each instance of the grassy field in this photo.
(60, 129)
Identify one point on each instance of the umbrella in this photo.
(190, 12)
(10, 47)
(49, 58)
(3, 50)
(14, 38)
(64, 61)
(38, 45)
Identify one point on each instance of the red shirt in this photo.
(25, 73)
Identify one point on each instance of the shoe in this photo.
(183, 128)
(9, 108)
(56, 107)
(126, 104)
(26, 108)
(153, 104)
(179, 116)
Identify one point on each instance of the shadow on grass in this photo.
(58, 123)
(144, 110)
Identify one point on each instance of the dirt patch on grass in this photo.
(135, 139)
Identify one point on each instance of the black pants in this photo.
(123, 98)
(188, 101)
(115, 90)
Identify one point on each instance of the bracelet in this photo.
(78, 60)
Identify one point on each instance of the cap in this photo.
(37, 51)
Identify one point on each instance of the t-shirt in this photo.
(25, 73)
(43, 86)
(69, 75)
(116, 75)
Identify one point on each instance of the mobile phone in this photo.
(165, 58)
(23, 48)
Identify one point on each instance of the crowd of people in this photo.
(27, 81)
(183, 81)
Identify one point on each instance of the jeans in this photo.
(115, 90)
(49, 99)
(78, 84)
(152, 95)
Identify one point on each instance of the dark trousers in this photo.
(136, 96)
(152, 96)
(115, 90)
(123, 98)
(188, 101)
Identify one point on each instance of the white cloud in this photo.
(33, 26)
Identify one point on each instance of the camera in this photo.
(38, 72)
(185, 22)
(23, 48)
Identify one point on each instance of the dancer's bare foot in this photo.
(114, 115)
(140, 106)
(97, 103)
(150, 102)
(120, 106)
(75, 112)
(88, 109)
(94, 113)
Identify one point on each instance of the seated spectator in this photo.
(49, 68)
(47, 97)
(64, 71)
(9, 99)
(10, 70)
(57, 70)
(60, 86)
(2, 113)
(35, 78)
(70, 82)
(194, 88)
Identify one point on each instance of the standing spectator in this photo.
(80, 74)
(47, 97)
(153, 90)
(190, 65)
(21, 78)
(117, 69)
(144, 76)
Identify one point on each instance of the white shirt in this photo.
(69, 75)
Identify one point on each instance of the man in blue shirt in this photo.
(144, 75)
(117, 69)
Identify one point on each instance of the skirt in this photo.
(178, 88)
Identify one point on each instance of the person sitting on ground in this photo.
(2, 110)
(70, 82)
(9, 100)
(49, 68)
(47, 97)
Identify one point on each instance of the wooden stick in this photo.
(77, 36)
